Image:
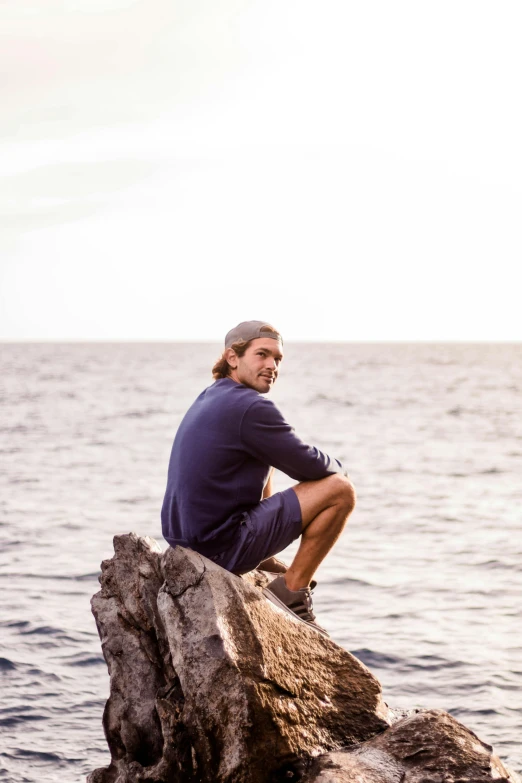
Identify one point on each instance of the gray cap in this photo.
(250, 330)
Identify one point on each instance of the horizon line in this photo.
(208, 341)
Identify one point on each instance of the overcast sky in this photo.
(344, 170)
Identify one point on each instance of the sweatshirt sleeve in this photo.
(268, 437)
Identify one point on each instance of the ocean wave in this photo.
(33, 755)
(14, 720)
(322, 398)
(137, 413)
(494, 565)
(49, 577)
(347, 580)
(13, 429)
(430, 663)
(59, 635)
(463, 712)
(82, 659)
(378, 659)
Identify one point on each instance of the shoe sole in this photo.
(277, 602)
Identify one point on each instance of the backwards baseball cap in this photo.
(250, 330)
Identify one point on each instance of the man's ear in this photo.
(231, 357)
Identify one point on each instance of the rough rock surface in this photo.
(428, 747)
(283, 690)
(212, 682)
(141, 720)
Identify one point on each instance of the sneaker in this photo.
(295, 602)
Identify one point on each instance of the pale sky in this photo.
(344, 170)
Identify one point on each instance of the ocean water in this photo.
(424, 586)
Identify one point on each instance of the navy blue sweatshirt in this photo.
(220, 462)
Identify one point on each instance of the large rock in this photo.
(428, 747)
(261, 689)
(212, 682)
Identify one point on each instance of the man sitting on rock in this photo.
(219, 499)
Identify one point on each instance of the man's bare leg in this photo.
(325, 507)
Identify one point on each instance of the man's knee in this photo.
(316, 496)
(344, 491)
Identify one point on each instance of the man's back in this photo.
(211, 478)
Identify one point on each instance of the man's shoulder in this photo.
(227, 392)
(263, 410)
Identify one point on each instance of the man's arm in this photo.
(267, 492)
(267, 436)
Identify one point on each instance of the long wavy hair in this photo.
(221, 368)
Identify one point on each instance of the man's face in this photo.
(259, 366)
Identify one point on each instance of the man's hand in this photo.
(267, 492)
